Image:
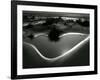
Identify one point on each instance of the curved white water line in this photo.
(44, 34)
(72, 33)
(58, 57)
(41, 34)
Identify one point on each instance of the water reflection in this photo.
(54, 34)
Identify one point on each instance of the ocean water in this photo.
(50, 49)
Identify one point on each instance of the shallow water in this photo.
(53, 49)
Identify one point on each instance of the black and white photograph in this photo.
(51, 39)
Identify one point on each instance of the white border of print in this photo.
(21, 71)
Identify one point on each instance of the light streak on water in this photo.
(63, 54)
